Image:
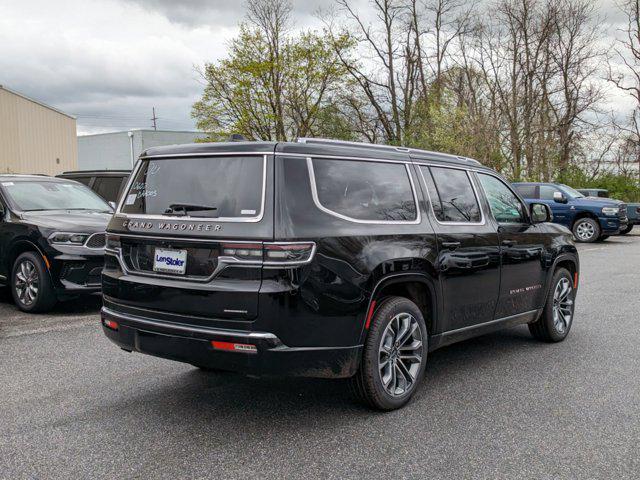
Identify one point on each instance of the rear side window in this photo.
(452, 195)
(213, 187)
(526, 191)
(107, 187)
(363, 191)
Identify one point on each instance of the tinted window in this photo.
(505, 206)
(454, 199)
(204, 187)
(108, 187)
(47, 195)
(372, 191)
(83, 180)
(526, 191)
(547, 191)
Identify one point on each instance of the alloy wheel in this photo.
(400, 354)
(562, 305)
(584, 231)
(27, 282)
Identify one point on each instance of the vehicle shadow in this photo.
(83, 305)
(268, 404)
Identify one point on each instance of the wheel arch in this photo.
(584, 214)
(417, 287)
(18, 248)
(568, 261)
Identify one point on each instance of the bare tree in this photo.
(624, 72)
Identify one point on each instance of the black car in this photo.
(109, 184)
(327, 259)
(52, 238)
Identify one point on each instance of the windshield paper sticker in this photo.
(131, 199)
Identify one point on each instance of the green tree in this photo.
(274, 86)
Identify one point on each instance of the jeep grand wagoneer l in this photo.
(327, 259)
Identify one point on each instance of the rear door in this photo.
(522, 247)
(468, 255)
(191, 231)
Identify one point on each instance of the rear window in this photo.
(364, 191)
(216, 187)
(454, 199)
(108, 187)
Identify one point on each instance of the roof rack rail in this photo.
(349, 143)
(384, 147)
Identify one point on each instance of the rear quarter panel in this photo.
(325, 302)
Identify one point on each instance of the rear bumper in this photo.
(193, 344)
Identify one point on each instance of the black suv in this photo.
(52, 237)
(327, 259)
(106, 183)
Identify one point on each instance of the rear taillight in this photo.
(271, 254)
(243, 251)
(288, 253)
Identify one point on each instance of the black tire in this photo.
(43, 298)
(368, 382)
(546, 328)
(626, 230)
(586, 230)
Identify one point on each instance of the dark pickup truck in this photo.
(589, 218)
(633, 209)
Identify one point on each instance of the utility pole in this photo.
(154, 118)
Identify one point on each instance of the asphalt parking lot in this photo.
(500, 406)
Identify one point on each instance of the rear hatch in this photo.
(189, 235)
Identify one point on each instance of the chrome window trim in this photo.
(483, 219)
(255, 219)
(316, 200)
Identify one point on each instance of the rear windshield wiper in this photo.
(183, 208)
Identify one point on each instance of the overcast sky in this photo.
(110, 61)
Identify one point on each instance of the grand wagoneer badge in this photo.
(172, 226)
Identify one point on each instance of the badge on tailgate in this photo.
(170, 261)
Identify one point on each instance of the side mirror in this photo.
(559, 197)
(112, 204)
(540, 213)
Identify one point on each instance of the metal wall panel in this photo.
(35, 138)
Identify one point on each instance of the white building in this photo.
(120, 150)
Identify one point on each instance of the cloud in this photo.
(111, 61)
(106, 58)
